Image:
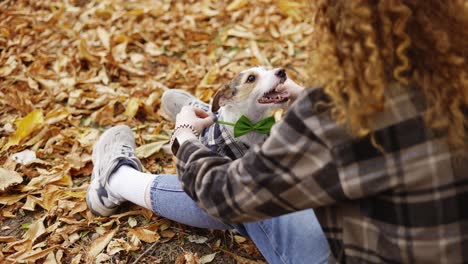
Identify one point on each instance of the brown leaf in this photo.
(9, 178)
(99, 244)
(147, 150)
(144, 234)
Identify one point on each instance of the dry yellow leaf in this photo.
(34, 255)
(9, 66)
(50, 259)
(76, 259)
(31, 202)
(80, 195)
(291, 8)
(84, 51)
(132, 222)
(236, 4)
(149, 149)
(104, 37)
(239, 239)
(25, 127)
(119, 52)
(204, 94)
(35, 230)
(207, 258)
(9, 178)
(11, 199)
(117, 245)
(100, 243)
(145, 235)
(210, 76)
(132, 107)
(51, 195)
(56, 116)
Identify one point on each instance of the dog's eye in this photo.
(250, 79)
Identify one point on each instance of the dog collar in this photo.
(244, 125)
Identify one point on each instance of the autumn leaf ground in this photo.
(70, 69)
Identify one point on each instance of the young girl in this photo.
(379, 150)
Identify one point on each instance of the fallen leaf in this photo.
(84, 51)
(35, 230)
(145, 235)
(147, 150)
(197, 239)
(9, 178)
(117, 245)
(119, 52)
(50, 259)
(102, 258)
(168, 234)
(9, 66)
(132, 107)
(24, 157)
(240, 239)
(6, 239)
(26, 126)
(132, 222)
(11, 199)
(99, 244)
(187, 258)
(207, 258)
(56, 116)
(33, 255)
(236, 4)
(293, 9)
(76, 259)
(104, 37)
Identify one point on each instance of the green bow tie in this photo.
(244, 125)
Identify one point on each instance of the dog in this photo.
(255, 93)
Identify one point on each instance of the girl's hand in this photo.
(189, 121)
(194, 117)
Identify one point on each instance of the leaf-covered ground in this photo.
(71, 68)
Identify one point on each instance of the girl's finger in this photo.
(200, 113)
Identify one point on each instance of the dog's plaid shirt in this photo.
(407, 204)
(218, 138)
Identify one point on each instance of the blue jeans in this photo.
(292, 238)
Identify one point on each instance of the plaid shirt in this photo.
(219, 139)
(406, 204)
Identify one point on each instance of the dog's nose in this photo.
(281, 73)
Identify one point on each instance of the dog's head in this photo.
(254, 89)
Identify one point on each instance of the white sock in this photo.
(132, 185)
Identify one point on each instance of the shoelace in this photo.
(127, 151)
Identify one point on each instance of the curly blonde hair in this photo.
(363, 45)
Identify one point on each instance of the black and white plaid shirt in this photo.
(407, 204)
(219, 139)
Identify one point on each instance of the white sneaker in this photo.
(173, 100)
(114, 148)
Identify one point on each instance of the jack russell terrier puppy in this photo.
(243, 110)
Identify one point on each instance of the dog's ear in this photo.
(221, 97)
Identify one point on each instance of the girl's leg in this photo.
(292, 238)
(161, 193)
(170, 201)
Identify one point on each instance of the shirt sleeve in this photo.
(292, 170)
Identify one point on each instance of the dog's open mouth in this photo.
(277, 95)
